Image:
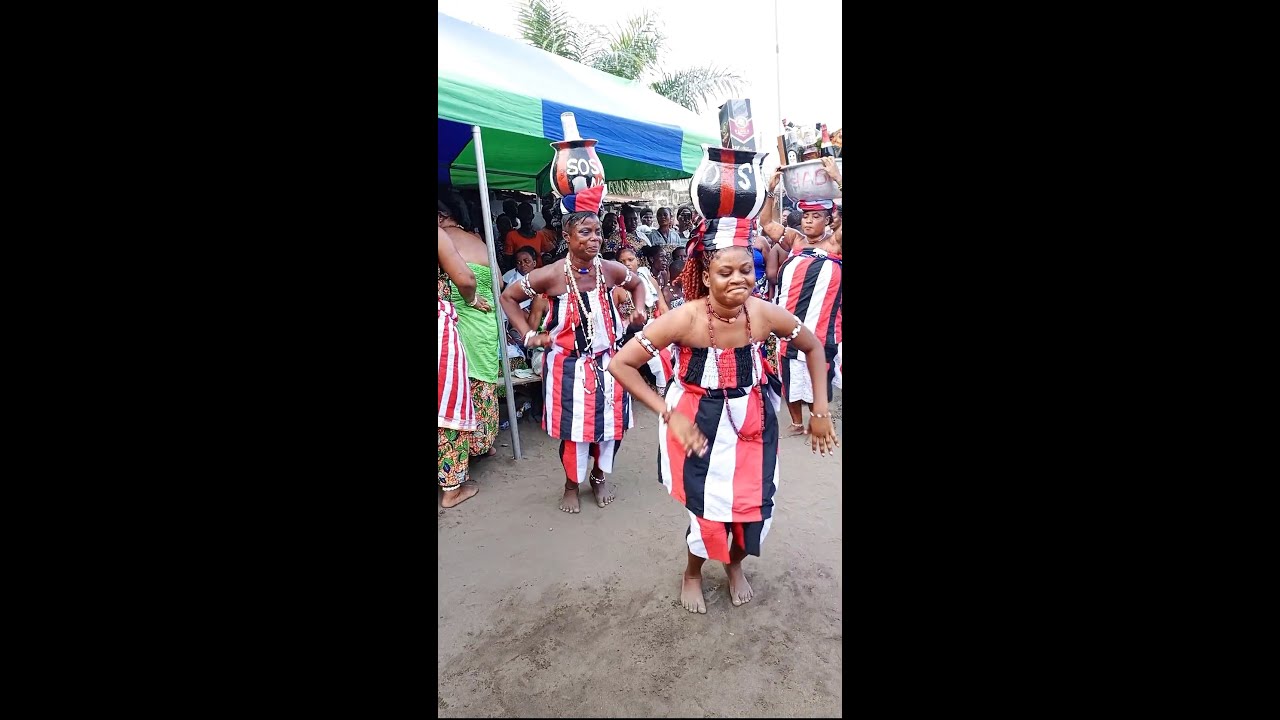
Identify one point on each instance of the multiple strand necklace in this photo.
(587, 318)
(732, 355)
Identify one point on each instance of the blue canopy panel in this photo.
(451, 138)
(643, 142)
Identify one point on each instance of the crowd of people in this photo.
(647, 309)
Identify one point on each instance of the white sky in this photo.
(734, 33)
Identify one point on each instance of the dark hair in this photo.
(575, 218)
(626, 249)
(504, 222)
(533, 255)
(691, 277)
(793, 219)
(442, 207)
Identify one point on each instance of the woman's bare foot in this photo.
(798, 429)
(453, 497)
(602, 489)
(739, 588)
(569, 503)
(691, 595)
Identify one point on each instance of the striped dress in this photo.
(455, 410)
(809, 288)
(581, 404)
(737, 479)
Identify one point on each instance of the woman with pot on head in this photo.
(717, 434)
(583, 407)
(809, 287)
(479, 333)
(456, 413)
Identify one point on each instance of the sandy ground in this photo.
(545, 614)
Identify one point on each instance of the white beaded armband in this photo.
(627, 279)
(524, 284)
(793, 334)
(648, 346)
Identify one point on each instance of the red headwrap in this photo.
(583, 201)
(806, 205)
(724, 232)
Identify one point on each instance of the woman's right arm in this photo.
(453, 264)
(624, 367)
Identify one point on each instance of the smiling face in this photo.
(584, 237)
(730, 276)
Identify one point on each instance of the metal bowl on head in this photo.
(808, 181)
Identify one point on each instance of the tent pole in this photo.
(499, 317)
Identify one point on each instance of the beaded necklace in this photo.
(720, 354)
(588, 320)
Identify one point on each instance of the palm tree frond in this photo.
(692, 87)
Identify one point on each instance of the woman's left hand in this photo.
(822, 436)
(482, 305)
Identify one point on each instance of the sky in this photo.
(700, 32)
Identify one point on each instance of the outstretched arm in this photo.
(822, 432)
(768, 223)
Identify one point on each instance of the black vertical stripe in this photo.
(811, 273)
(830, 339)
(604, 397)
(695, 468)
(696, 365)
(769, 460)
(745, 367)
(751, 537)
(566, 396)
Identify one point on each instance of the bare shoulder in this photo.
(614, 270)
(776, 316)
(543, 278)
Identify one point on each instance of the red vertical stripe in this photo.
(554, 373)
(748, 469)
(715, 538)
(590, 398)
(727, 168)
(688, 407)
(619, 413)
(569, 457)
(828, 302)
(459, 370)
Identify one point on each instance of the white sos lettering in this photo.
(583, 166)
(744, 181)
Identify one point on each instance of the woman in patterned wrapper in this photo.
(717, 432)
(456, 414)
(583, 406)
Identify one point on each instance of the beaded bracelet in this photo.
(648, 346)
(814, 414)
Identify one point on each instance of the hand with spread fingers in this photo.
(822, 435)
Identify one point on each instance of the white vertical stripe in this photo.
(606, 455)
(717, 500)
(584, 458)
(664, 458)
(711, 370)
(694, 540)
(579, 399)
(818, 299)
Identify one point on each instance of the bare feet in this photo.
(797, 429)
(602, 489)
(569, 503)
(691, 595)
(739, 588)
(453, 497)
